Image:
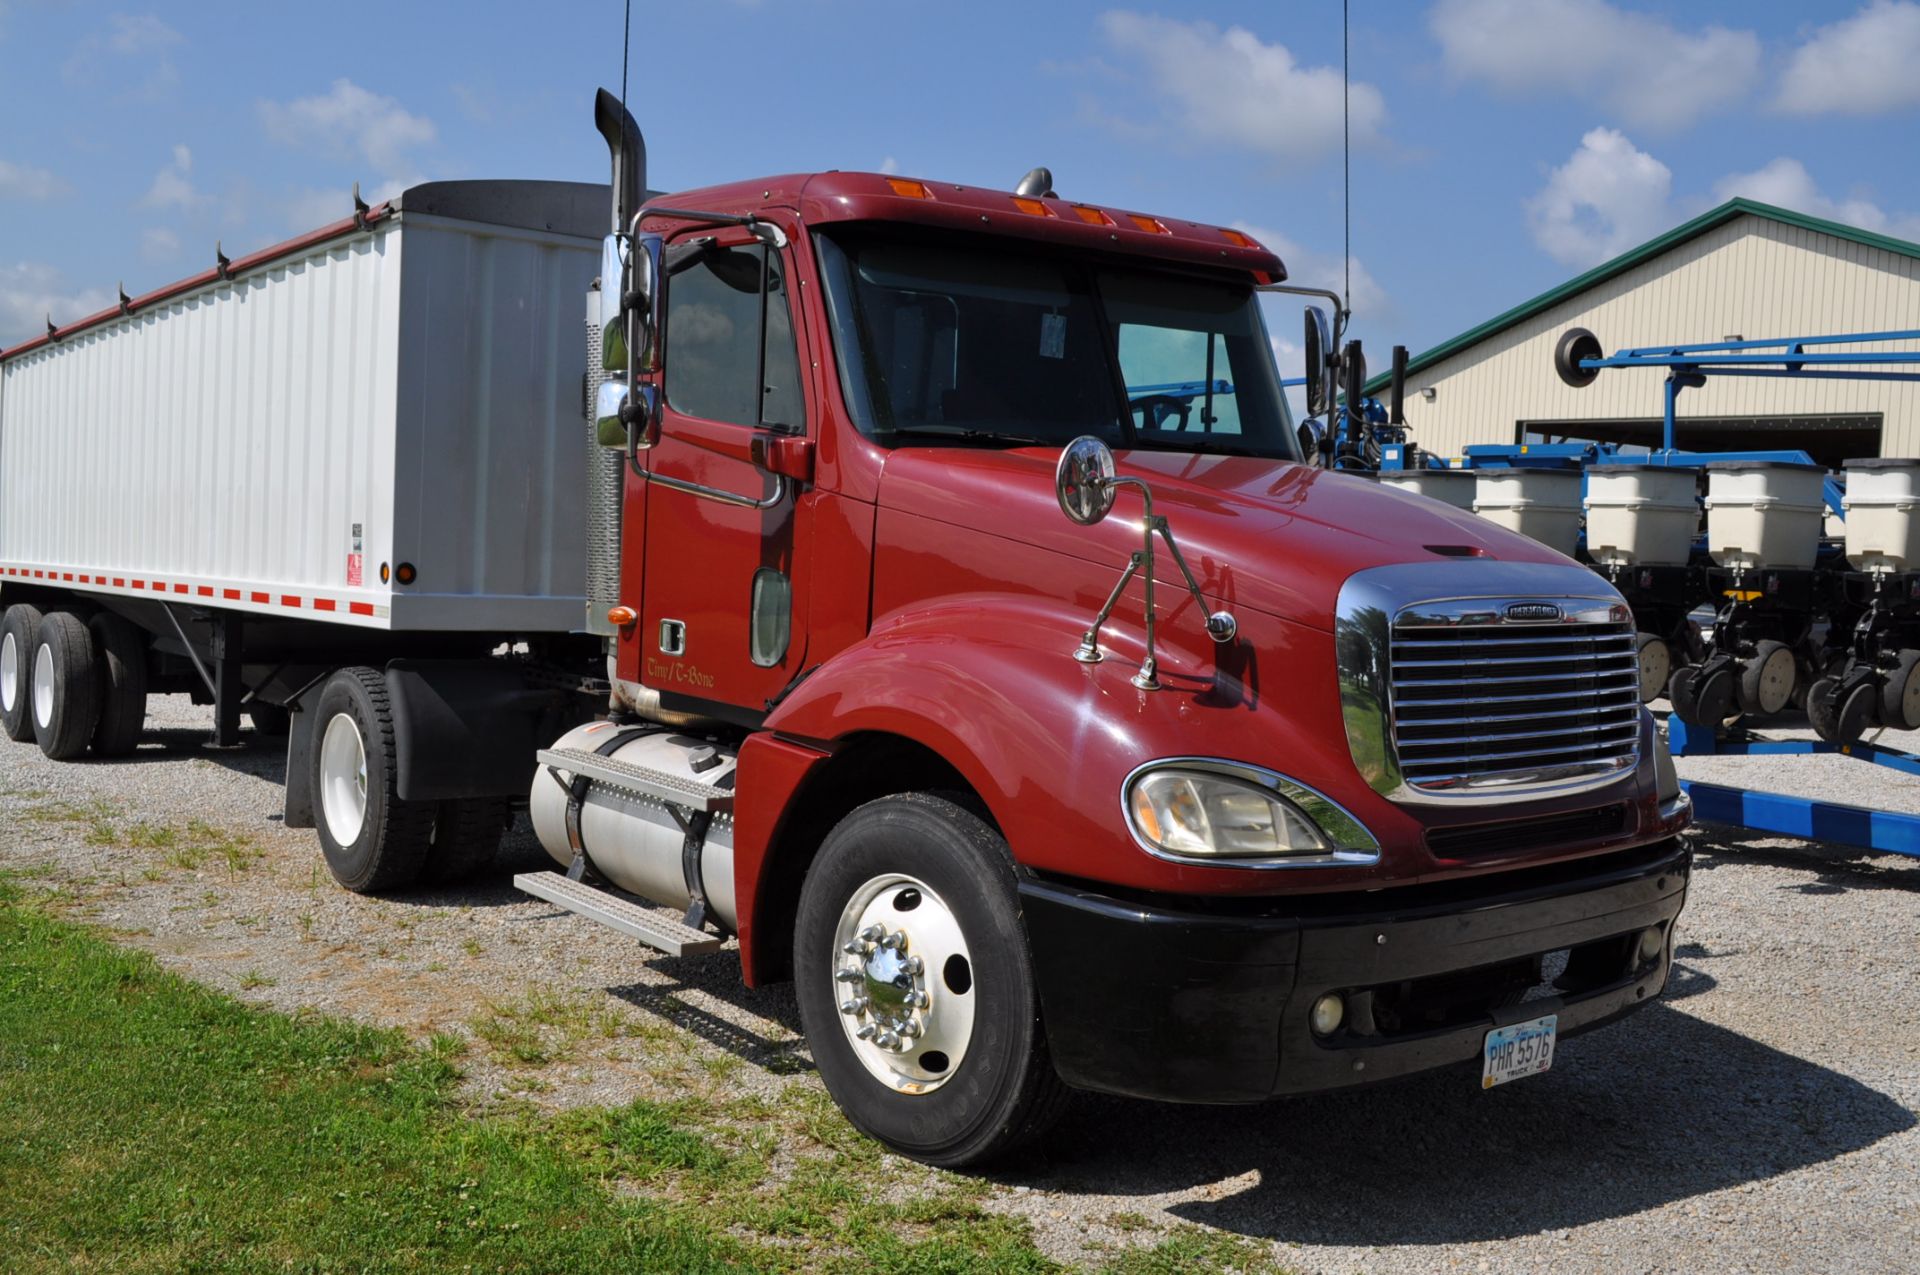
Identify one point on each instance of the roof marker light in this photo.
(1032, 207)
(1239, 240)
(1092, 216)
(1148, 224)
(910, 188)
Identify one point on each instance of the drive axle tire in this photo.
(66, 686)
(373, 841)
(916, 985)
(122, 655)
(19, 632)
(466, 837)
(1900, 693)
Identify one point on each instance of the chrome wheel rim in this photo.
(343, 779)
(903, 981)
(9, 672)
(43, 687)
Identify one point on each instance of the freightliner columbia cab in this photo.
(986, 657)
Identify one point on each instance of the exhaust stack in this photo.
(627, 153)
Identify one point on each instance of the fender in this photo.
(988, 682)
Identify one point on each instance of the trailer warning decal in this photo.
(356, 557)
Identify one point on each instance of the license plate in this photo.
(1524, 1049)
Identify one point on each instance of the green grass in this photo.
(150, 1124)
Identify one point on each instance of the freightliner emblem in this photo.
(1533, 611)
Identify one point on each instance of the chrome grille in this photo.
(1473, 702)
(606, 474)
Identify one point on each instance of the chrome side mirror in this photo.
(629, 315)
(1083, 480)
(1085, 483)
(1318, 345)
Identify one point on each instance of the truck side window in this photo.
(712, 348)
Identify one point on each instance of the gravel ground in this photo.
(1761, 1118)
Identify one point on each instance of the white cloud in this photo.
(1230, 87)
(1643, 69)
(1861, 65)
(30, 291)
(1311, 269)
(1611, 196)
(889, 165)
(1606, 198)
(1787, 182)
(141, 38)
(17, 181)
(172, 186)
(353, 124)
(157, 243)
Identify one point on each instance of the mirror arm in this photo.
(1340, 312)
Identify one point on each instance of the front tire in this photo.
(19, 633)
(916, 986)
(66, 686)
(373, 841)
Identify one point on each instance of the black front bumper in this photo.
(1207, 1001)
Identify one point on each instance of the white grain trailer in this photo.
(361, 451)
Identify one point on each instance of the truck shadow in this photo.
(1836, 869)
(1658, 1108)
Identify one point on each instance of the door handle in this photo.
(772, 498)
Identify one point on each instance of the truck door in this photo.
(723, 609)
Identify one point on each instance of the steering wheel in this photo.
(1156, 409)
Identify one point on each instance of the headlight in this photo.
(1204, 810)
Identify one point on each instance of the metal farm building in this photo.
(1744, 270)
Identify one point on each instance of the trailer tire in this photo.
(1900, 693)
(19, 632)
(373, 841)
(882, 865)
(66, 686)
(121, 652)
(466, 837)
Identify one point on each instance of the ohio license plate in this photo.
(1524, 1049)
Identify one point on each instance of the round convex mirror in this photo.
(1083, 480)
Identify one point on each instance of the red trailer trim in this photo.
(247, 599)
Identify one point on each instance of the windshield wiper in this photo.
(968, 434)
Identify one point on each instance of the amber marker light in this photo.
(1032, 207)
(1092, 216)
(621, 617)
(910, 188)
(1148, 224)
(1239, 240)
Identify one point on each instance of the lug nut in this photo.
(873, 934)
(866, 1031)
(854, 947)
(854, 1006)
(848, 976)
(915, 965)
(917, 999)
(887, 1040)
(910, 1030)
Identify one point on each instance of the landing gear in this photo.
(916, 985)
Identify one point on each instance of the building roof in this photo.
(1645, 252)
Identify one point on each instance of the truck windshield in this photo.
(980, 341)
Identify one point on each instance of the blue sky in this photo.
(1500, 145)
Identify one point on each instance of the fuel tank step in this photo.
(639, 780)
(616, 913)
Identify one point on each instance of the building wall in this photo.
(1752, 276)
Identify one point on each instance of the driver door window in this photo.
(713, 353)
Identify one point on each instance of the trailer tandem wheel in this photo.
(19, 632)
(121, 651)
(66, 686)
(372, 839)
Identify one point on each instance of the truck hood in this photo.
(1275, 536)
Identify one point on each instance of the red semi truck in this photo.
(966, 633)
